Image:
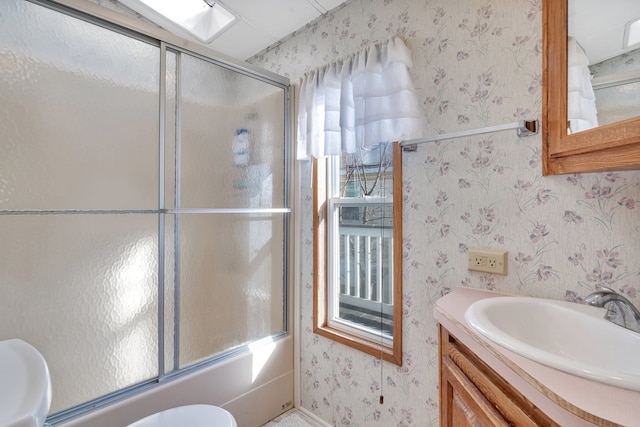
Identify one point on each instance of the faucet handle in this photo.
(601, 287)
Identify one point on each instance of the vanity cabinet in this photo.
(472, 394)
(482, 384)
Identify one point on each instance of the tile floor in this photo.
(292, 418)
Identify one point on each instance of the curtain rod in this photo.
(524, 127)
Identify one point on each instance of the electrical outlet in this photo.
(487, 261)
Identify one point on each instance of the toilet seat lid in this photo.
(189, 415)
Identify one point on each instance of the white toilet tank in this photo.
(189, 416)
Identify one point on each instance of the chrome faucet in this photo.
(619, 309)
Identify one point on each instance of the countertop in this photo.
(566, 398)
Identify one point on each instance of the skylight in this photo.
(203, 20)
(632, 33)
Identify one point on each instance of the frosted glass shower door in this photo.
(230, 210)
(78, 199)
(143, 207)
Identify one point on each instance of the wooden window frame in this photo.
(390, 353)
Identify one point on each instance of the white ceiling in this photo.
(262, 23)
(598, 25)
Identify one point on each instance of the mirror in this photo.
(612, 141)
(603, 54)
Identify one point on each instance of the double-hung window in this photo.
(358, 277)
(345, 109)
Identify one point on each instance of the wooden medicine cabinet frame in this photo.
(610, 147)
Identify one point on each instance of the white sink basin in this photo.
(573, 338)
(25, 385)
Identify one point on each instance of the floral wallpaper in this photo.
(629, 61)
(476, 63)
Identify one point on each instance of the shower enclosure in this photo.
(144, 208)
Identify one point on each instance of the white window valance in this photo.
(581, 99)
(358, 102)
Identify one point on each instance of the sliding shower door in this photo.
(143, 207)
(78, 198)
(229, 209)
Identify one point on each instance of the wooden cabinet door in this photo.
(473, 394)
(461, 403)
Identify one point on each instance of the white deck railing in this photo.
(367, 257)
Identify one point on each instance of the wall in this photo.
(475, 64)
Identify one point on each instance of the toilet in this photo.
(25, 395)
(189, 415)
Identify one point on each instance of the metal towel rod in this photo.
(524, 128)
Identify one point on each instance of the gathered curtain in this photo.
(581, 99)
(358, 102)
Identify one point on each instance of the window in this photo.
(344, 107)
(357, 247)
(202, 20)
